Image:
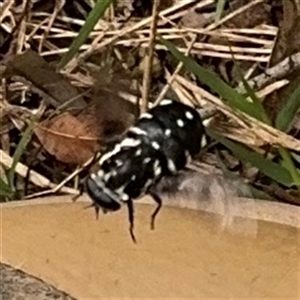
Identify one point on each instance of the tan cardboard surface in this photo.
(187, 256)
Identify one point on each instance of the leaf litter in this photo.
(85, 110)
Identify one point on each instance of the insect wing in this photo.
(213, 193)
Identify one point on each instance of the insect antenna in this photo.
(131, 219)
(158, 200)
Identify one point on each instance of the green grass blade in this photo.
(283, 122)
(220, 9)
(5, 190)
(96, 13)
(26, 137)
(273, 170)
(290, 166)
(251, 93)
(285, 154)
(296, 157)
(287, 114)
(208, 77)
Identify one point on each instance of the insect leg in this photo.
(131, 219)
(81, 190)
(96, 207)
(86, 166)
(158, 200)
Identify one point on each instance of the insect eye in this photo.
(101, 196)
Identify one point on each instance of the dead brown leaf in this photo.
(69, 139)
(75, 139)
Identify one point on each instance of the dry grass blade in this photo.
(279, 71)
(6, 11)
(272, 88)
(146, 21)
(177, 70)
(59, 4)
(34, 177)
(94, 16)
(233, 14)
(149, 59)
(61, 185)
(143, 43)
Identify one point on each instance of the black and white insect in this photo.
(160, 144)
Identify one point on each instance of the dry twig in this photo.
(280, 71)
